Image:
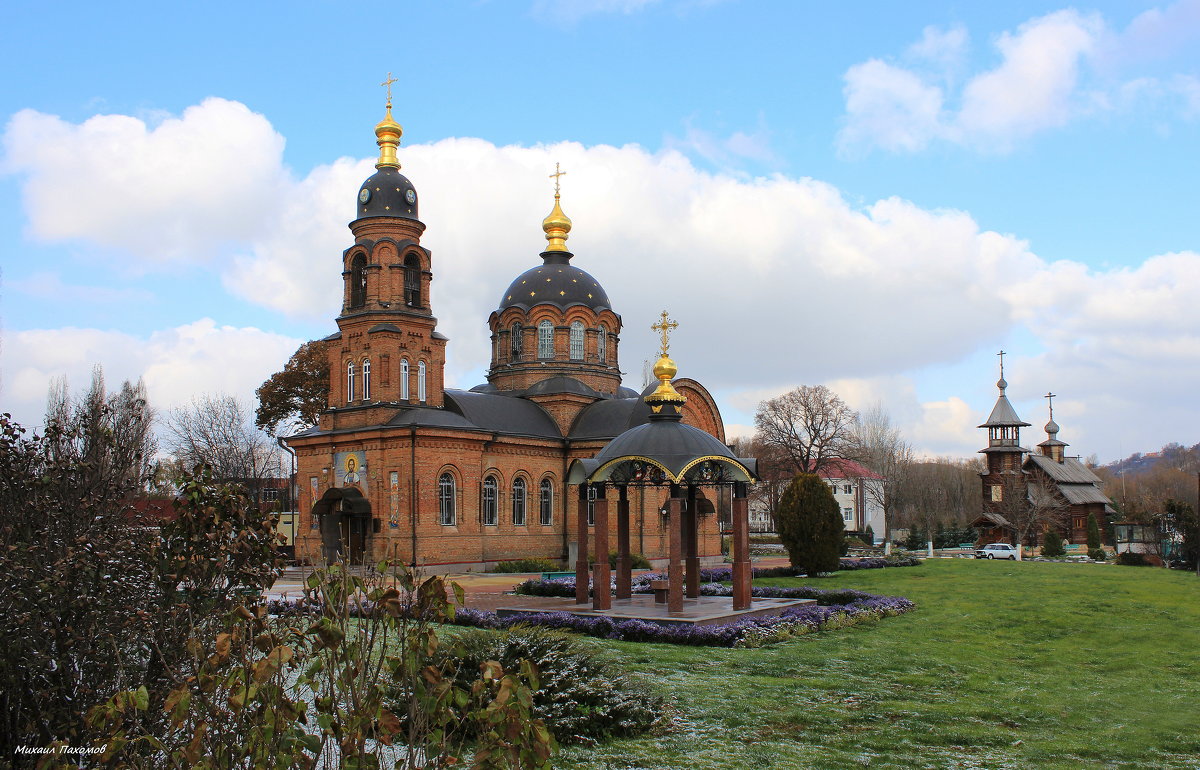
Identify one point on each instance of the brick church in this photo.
(399, 466)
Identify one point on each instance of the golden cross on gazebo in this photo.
(1050, 397)
(555, 177)
(664, 328)
(388, 84)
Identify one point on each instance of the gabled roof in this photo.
(503, 414)
(1070, 470)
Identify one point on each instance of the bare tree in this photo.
(876, 444)
(774, 473)
(810, 424)
(1031, 507)
(217, 430)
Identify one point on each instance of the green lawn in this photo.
(1002, 664)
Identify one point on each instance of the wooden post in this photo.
(601, 572)
(674, 551)
(742, 571)
(624, 562)
(691, 550)
(581, 553)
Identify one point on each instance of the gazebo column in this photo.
(624, 562)
(674, 551)
(581, 547)
(601, 572)
(742, 571)
(691, 549)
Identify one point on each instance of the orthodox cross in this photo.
(1001, 354)
(388, 84)
(664, 328)
(1050, 397)
(555, 177)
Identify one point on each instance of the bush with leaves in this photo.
(584, 696)
(527, 565)
(810, 525)
(636, 560)
(365, 683)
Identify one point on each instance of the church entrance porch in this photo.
(345, 524)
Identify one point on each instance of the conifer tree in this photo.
(1094, 544)
(809, 525)
(1052, 544)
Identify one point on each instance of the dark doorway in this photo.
(345, 517)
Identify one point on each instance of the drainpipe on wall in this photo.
(412, 492)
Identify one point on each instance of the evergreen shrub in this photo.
(1052, 544)
(810, 525)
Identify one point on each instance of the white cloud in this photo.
(1053, 69)
(776, 281)
(176, 363)
(177, 191)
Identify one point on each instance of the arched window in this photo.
(488, 501)
(412, 281)
(518, 502)
(421, 381)
(515, 339)
(366, 379)
(349, 382)
(545, 340)
(546, 503)
(358, 281)
(591, 506)
(446, 500)
(577, 340)
(602, 345)
(403, 379)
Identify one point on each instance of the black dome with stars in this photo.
(555, 282)
(388, 195)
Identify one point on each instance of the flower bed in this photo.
(834, 609)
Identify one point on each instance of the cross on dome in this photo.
(557, 173)
(665, 327)
(388, 84)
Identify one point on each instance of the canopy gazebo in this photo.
(663, 452)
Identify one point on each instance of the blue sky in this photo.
(874, 196)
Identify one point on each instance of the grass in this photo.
(1002, 665)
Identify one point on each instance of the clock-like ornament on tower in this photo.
(364, 195)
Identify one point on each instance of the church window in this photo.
(488, 503)
(412, 281)
(576, 340)
(602, 345)
(518, 502)
(446, 500)
(546, 503)
(515, 341)
(349, 382)
(403, 379)
(545, 340)
(358, 281)
(591, 506)
(421, 381)
(366, 379)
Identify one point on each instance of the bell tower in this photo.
(387, 353)
(1004, 452)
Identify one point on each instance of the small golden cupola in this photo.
(557, 225)
(388, 132)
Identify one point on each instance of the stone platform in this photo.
(702, 611)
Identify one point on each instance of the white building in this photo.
(859, 495)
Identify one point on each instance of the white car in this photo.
(997, 551)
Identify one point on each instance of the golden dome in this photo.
(388, 133)
(556, 226)
(665, 370)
